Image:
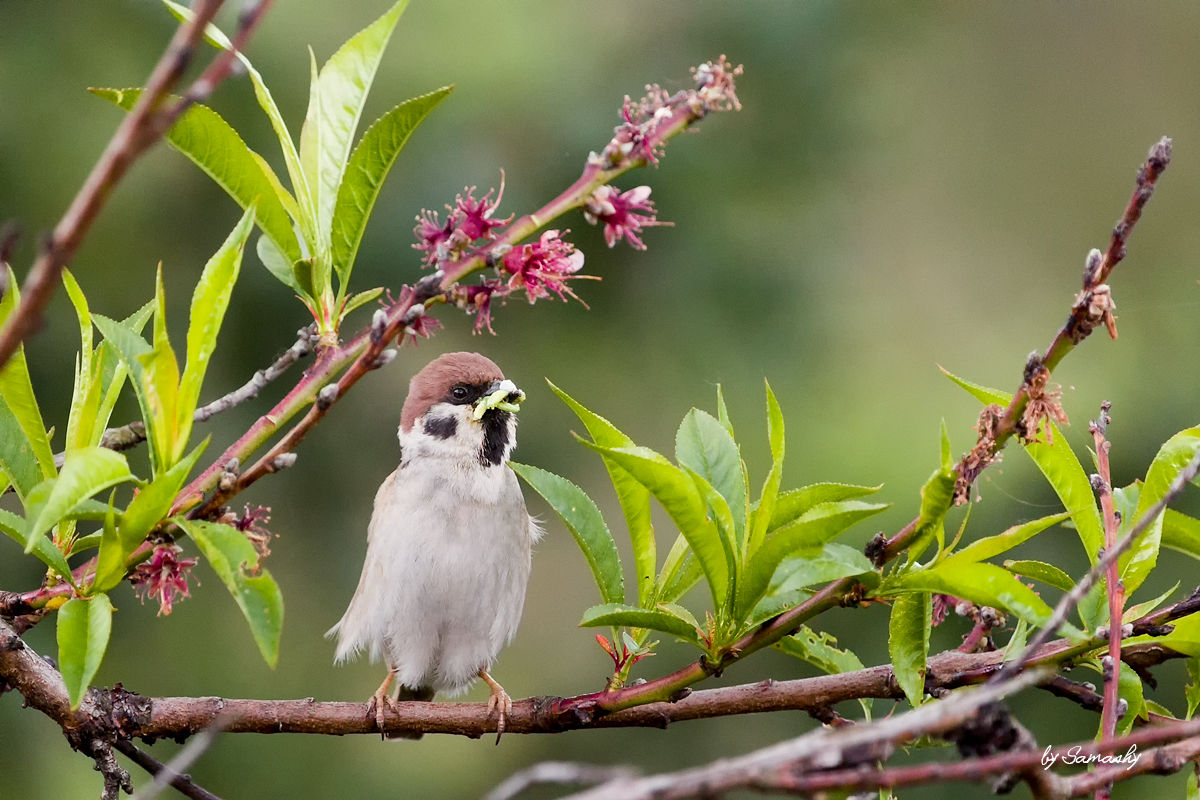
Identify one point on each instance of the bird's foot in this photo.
(380, 700)
(498, 701)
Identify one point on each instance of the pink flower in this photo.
(432, 236)
(477, 300)
(253, 524)
(163, 577)
(477, 222)
(543, 267)
(619, 214)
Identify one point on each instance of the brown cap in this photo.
(433, 383)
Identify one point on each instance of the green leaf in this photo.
(704, 446)
(341, 93)
(150, 507)
(723, 413)
(993, 546)
(634, 498)
(984, 584)
(16, 390)
(981, 393)
(210, 300)
(86, 390)
(908, 643)
(1181, 533)
(83, 630)
(216, 38)
(947, 463)
(1129, 689)
(719, 512)
(1192, 690)
(765, 511)
(657, 620)
(821, 650)
(1140, 610)
(677, 493)
(937, 495)
(17, 461)
(14, 527)
(791, 504)
(830, 563)
(1041, 571)
(681, 571)
(585, 523)
(278, 265)
(85, 472)
(230, 555)
(772, 606)
(1172, 457)
(210, 143)
(813, 530)
(366, 172)
(362, 298)
(110, 561)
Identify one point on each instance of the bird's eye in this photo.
(459, 393)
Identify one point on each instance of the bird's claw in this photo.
(379, 701)
(500, 701)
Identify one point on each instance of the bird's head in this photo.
(461, 406)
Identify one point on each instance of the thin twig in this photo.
(129, 436)
(181, 783)
(1110, 557)
(1102, 483)
(823, 749)
(1185, 734)
(558, 772)
(174, 770)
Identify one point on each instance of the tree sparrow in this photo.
(448, 547)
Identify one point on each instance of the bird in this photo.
(449, 545)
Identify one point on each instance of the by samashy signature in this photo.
(1075, 756)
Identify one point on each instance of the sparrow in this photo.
(449, 544)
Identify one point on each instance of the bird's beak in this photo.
(505, 396)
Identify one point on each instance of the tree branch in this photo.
(560, 772)
(145, 124)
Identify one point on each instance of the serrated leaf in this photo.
(367, 170)
(983, 584)
(17, 461)
(1142, 609)
(231, 555)
(616, 614)
(85, 472)
(1041, 571)
(821, 650)
(703, 445)
(1192, 689)
(1173, 456)
(1181, 533)
(278, 265)
(360, 299)
(634, 498)
(110, 561)
(813, 530)
(830, 563)
(791, 504)
(210, 300)
(1130, 689)
(937, 496)
(677, 493)
(764, 512)
(993, 546)
(681, 571)
(14, 527)
(908, 643)
(723, 413)
(773, 605)
(980, 393)
(84, 627)
(210, 143)
(585, 523)
(16, 390)
(86, 391)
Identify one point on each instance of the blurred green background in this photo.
(908, 185)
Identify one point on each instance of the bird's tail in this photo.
(424, 694)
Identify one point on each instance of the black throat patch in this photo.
(440, 427)
(495, 437)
